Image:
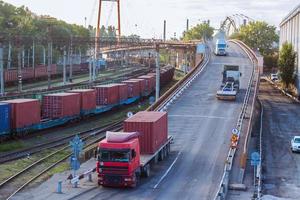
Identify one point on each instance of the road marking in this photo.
(201, 116)
(167, 172)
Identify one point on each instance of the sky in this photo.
(145, 17)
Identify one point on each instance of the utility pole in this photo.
(71, 60)
(44, 56)
(18, 42)
(90, 69)
(165, 27)
(64, 67)
(28, 57)
(9, 55)
(93, 66)
(187, 25)
(49, 65)
(157, 74)
(1, 71)
(33, 54)
(23, 57)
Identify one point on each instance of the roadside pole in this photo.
(157, 74)
(64, 67)
(1, 70)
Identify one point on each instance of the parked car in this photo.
(274, 77)
(295, 144)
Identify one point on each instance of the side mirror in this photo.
(240, 74)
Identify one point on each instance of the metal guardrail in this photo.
(223, 187)
(259, 167)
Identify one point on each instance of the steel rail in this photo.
(116, 128)
(53, 143)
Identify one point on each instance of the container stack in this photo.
(24, 112)
(4, 118)
(61, 105)
(152, 128)
(107, 94)
(133, 88)
(87, 98)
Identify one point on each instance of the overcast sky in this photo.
(145, 17)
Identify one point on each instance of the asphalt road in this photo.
(281, 167)
(201, 126)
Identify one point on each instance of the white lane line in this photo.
(201, 116)
(167, 172)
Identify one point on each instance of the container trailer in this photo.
(124, 157)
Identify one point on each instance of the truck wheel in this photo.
(169, 148)
(133, 185)
(161, 155)
(165, 152)
(156, 159)
(147, 171)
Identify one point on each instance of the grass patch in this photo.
(12, 167)
(59, 168)
(11, 146)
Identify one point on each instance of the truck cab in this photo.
(118, 163)
(220, 48)
(231, 74)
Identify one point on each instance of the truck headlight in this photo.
(127, 179)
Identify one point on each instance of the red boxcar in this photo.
(152, 127)
(107, 94)
(142, 83)
(24, 112)
(133, 88)
(150, 82)
(123, 91)
(87, 98)
(61, 105)
(10, 75)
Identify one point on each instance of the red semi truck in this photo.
(124, 157)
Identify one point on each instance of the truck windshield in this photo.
(114, 156)
(222, 46)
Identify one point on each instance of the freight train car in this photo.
(27, 115)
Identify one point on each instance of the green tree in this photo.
(258, 35)
(286, 63)
(200, 31)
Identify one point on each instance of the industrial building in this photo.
(290, 32)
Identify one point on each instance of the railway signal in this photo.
(76, 146)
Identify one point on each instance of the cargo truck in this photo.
(230, 83)
(220, 47)
(124, 157)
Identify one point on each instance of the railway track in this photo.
(57, 142)
(80, 85)
(16, 183)
(23, 178)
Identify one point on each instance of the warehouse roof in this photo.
(294, 12)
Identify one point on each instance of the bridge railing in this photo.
(252, 85)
